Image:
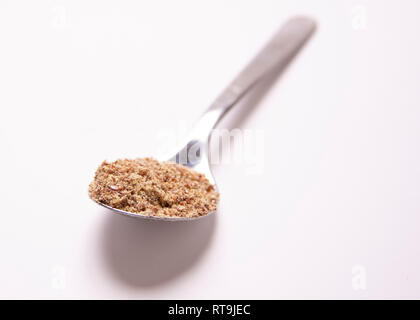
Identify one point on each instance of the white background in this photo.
(337, 200)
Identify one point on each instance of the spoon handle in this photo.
(275, 55)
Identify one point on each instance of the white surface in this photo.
(83, 81)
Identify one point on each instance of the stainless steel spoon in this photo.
(279, 51)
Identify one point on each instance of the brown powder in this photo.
(153, 188)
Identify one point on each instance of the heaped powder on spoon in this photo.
(149, 187)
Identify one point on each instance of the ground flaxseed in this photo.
(152, 188)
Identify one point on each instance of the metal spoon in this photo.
(274, 56)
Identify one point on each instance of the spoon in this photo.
(276, 55)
